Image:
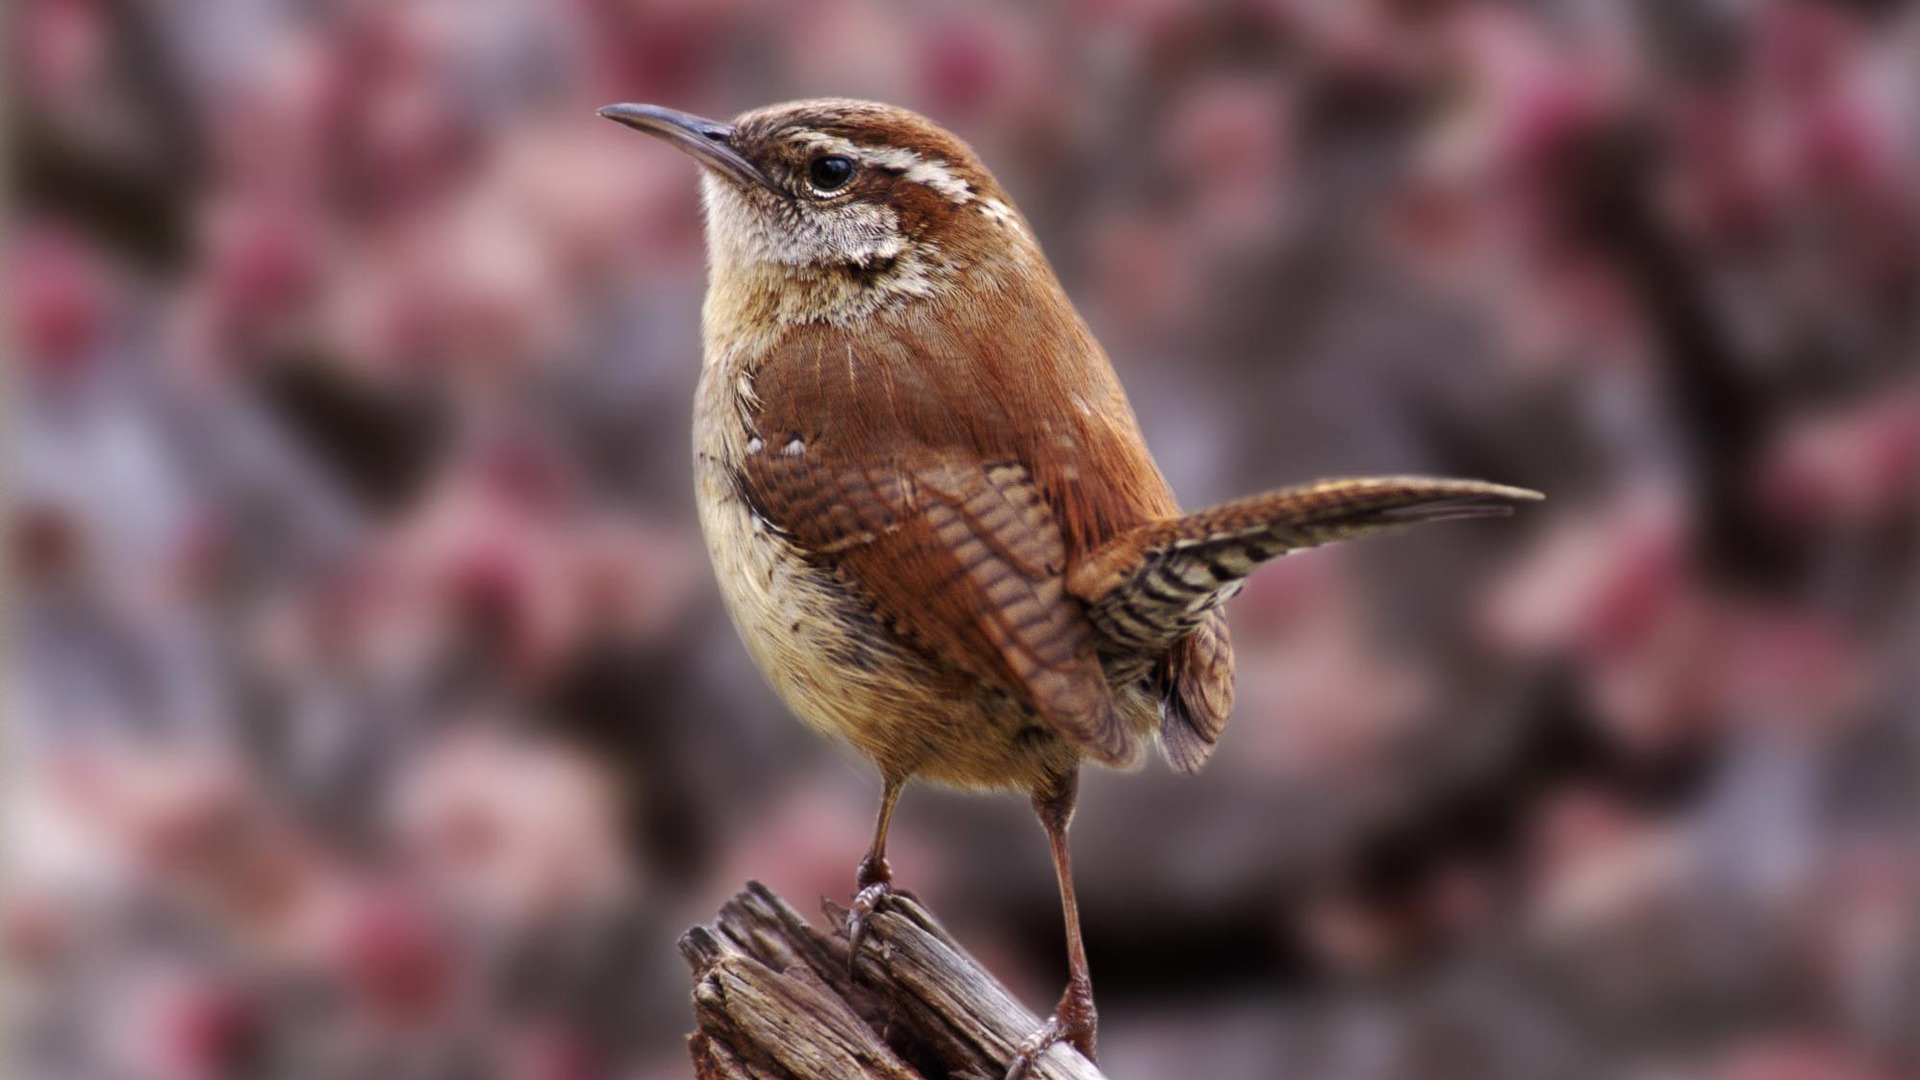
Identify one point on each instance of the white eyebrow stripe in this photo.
(932, 173)
(1000, 212)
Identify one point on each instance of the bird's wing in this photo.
(962, 557)
(1153, 585)
(951, 471)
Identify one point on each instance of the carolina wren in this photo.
(932, 514)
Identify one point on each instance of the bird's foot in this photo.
(866, 903)
(873, 888)
(1073, 1022)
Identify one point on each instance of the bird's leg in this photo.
(875, 880)
(1074, 1019)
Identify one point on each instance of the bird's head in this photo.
(869, 202)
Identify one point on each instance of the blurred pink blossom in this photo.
(522, 830)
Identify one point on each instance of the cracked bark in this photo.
(774, 1000)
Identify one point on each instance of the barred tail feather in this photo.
(1149, 588)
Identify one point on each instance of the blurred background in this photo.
(371, 712)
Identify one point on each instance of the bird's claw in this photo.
(866, 903)
(1033, 1048)
(1073, 1022)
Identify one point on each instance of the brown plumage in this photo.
(930, 508)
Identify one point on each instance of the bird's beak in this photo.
(709, 142)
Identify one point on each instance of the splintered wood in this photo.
(774, 1000)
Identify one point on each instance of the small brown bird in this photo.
(929, 505)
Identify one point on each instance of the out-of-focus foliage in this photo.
(371, 712)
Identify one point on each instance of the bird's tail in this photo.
(1149, 587)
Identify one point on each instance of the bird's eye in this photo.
(830, 173)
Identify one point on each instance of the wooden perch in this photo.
(774, 1000)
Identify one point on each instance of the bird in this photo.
(929, 506)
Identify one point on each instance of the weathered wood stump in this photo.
(774, 1000)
